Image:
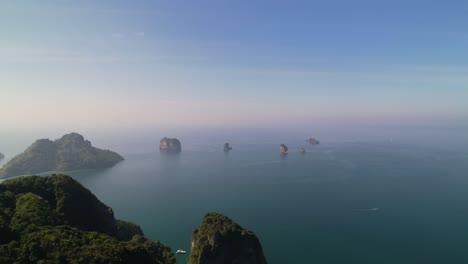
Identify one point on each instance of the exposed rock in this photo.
(313, 141)
(1, 156)
(220, 240)
(227, 147)
(170, 145)
(71, 152)
(283, 149)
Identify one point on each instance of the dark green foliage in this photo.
(32, 209)
(71, 152)
(126, 230)
(81, 208)
(221, 240)
(39, 157)
(54, 219)
(76, 204)
(143, 251)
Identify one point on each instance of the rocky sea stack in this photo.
(56, 220)
(227, 147)
(71, 152)
(283, 149)
(170, 145)
(313, 141)
(221, 240)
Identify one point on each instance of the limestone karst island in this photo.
(283, 149)
(227, 147)
(70, 152)
(313, 141)
(55, 219)
(170, 145)
(221, 240)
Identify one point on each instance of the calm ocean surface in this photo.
(338, 203)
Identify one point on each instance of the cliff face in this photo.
(313, 141)
(227, 147)
(283, 149)
(56, 220)
(219, 240)
(71, 152)
(170, 145)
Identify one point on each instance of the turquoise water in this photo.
(311, 208)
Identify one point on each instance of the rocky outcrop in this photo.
(283, 149)
(220, 240)
(170, 145)
(313, 141)
(1, 156)
(227, 147)
(71, 152)
(57, 220)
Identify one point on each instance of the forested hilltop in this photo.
(56, 220)
(221, 240)
(71, 152)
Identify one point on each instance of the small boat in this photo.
(302, 150)
(180, 251)
(371, 209)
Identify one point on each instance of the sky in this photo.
(165, 64)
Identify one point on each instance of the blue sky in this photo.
(167, 64)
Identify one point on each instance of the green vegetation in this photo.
(50, 220)
(71, 152)
(221, 240)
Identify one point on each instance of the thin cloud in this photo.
(117, 35)
(439, 69)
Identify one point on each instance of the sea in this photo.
(339, 202)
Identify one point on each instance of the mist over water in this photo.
(138, 140)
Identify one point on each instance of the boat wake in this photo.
(371, 209)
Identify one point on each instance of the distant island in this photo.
(227, 147)
(283, 149)
(71, 152)
(1, 156)
(313, 141)
(56, 220)
(221, 240)
(170, 145)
